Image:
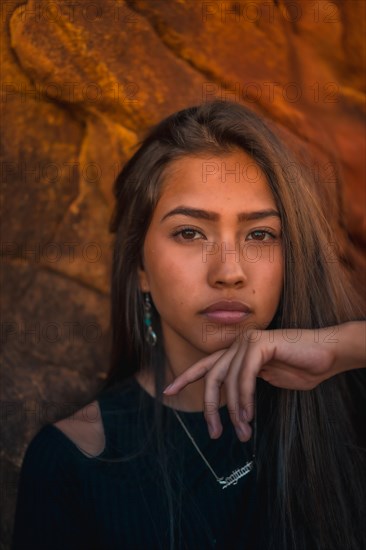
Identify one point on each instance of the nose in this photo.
(226, 268)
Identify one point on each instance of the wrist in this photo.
(349, 349)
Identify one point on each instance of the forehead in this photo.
(217, 180)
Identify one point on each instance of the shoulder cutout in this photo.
(85, 429)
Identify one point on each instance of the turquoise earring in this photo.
(150, 335)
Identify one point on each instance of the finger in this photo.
(256, 357)
(193, 373)
(213, 383)
(242, 428)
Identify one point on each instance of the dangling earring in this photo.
(150, 335)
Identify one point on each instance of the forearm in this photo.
(349, 347)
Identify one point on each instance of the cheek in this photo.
(179, 267)
(275, 282)
(267, 278)
(171, 280)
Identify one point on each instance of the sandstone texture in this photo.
(81, 84)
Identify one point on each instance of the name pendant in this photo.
(237, 474)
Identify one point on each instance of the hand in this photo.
(290, 358)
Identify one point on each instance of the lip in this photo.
(226, 312)
(227, 305)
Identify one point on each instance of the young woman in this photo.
(220, 267)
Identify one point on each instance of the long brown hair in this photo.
(311, 482)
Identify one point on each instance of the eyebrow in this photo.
(213, 216)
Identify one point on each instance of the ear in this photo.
(143, 279)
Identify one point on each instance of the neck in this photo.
(179, 357)
(190, 399)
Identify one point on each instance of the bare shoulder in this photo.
(85, 429)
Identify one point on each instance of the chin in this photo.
(222, 336)
(216, 343)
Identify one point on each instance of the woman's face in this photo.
(215, 236)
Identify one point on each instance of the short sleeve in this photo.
(50, 511)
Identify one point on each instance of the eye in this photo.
(261, 235)
(188, 234)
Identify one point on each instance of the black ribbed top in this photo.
(118, 500)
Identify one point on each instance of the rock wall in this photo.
(81, 84)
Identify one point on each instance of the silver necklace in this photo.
(235, 475)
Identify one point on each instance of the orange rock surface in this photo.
(81, 84)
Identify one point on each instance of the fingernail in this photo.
(242, 432)
(239, 433)
(211, 430)
(168, 387)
